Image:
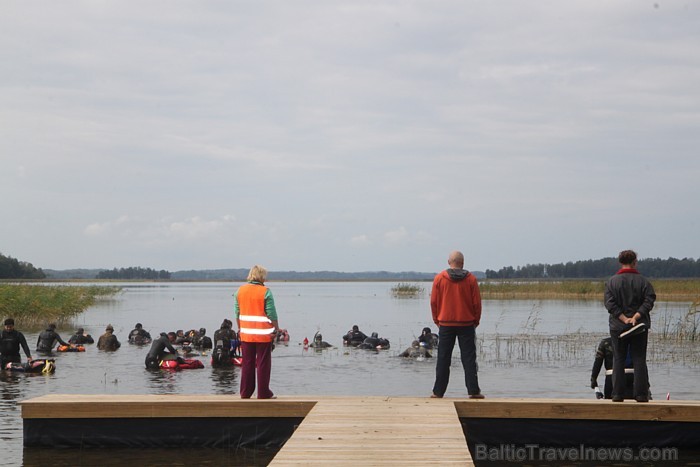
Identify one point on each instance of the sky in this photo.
(347, 136)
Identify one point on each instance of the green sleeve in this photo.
(270, 309)
(236, 308)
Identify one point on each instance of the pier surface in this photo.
(337, 430)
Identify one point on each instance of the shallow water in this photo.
(528, 348)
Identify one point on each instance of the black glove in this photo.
(594, 383)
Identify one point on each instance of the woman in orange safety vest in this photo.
(257, 324)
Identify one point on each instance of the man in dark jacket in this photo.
(629, 298)
(455, 303)
(158, 350)
(10, 342)
(48, 338)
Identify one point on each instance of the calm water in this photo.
(511, 365)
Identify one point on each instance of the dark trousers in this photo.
(638, 350)
(466, 336)
(257, 360)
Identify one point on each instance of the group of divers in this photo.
(177, 349)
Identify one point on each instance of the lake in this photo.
(527, 348)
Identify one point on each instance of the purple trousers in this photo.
(257, 359)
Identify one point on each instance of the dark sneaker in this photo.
(476, 396)
(618, 399)
(641, 399)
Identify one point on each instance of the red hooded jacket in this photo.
(455, 299)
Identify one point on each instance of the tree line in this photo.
(11, 268)
(134, 273)
(599, 268)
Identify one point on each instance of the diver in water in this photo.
(374, 342)
(139, 335)
(354, 336)
(416, 351)
(161, 348)
(80, 338)
(318, 342)
(428, 339)
(10, 342)
(48, 338)
(201, 340)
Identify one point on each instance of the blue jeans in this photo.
(466, 336)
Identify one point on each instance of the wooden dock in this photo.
(378, 431)
(349, 430)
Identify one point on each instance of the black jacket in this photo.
(628, 292)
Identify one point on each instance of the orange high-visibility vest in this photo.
(255, 325)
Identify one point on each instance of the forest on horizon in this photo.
(671, 268)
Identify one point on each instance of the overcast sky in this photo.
(347, 135)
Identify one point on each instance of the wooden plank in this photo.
(580, 409)
(160, 406)
(373, 430)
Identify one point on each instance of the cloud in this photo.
(360, 241)
(397, 236)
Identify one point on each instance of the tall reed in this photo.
(36, 305)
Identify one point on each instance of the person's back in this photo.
(81, 338)
(455, 305)
(108, 341)
(47, 338)
(354, 336)
(160, 348)
(139, 335)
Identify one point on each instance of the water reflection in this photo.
(162, 381)
(225, 380)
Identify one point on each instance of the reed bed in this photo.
(406, 290)
(35, 305)
(666, 289)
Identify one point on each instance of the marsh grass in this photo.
(682, 328)
(406, 290)
(666, 289)
(574, 349)
(35, 305)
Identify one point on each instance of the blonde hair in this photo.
(258, 274)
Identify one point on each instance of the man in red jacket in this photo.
(455, 302)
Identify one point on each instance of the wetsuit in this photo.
(81, 339)
(354, 338)
(10, 342)
(428, 340)
(369, 343)
(223, 347)
(158, 351)
(202, 342)
(47, 339)
(139, 336)
(604, 359)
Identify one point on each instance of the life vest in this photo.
(255, 325)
